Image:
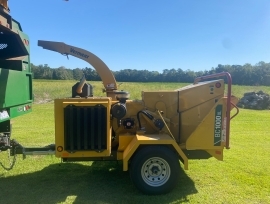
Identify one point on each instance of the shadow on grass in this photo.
(103, 182)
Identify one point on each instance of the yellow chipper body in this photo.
(191, 119)
(150, 136)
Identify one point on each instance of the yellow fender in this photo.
(153, 139)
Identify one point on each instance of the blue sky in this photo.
(153, 35)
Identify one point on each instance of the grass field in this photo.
(243, 176)
(45, 90)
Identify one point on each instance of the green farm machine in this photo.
(16, 95)
(150, 136)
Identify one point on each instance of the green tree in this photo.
(77, 73)
(62, 73)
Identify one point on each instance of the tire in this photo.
(155, 169)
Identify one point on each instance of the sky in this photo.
(149, 34)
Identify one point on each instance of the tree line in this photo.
(247, 74)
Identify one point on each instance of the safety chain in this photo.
(10, 163)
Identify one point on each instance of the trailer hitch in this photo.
(4, 142)
(8, 145)
(14, 148)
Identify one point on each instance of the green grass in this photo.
(47, 90)
(243, 176)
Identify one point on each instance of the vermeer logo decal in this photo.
(218, 126)
(78, 53)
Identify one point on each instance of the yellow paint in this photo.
(203, 136)
(124, 140)
(217, 153)
(59, 105)
(119, 155)
(154, 139)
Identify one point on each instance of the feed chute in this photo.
(104, 72)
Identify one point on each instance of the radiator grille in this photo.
(85, 128)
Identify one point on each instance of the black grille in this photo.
(85, 128)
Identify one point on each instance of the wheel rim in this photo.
(155, 171)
